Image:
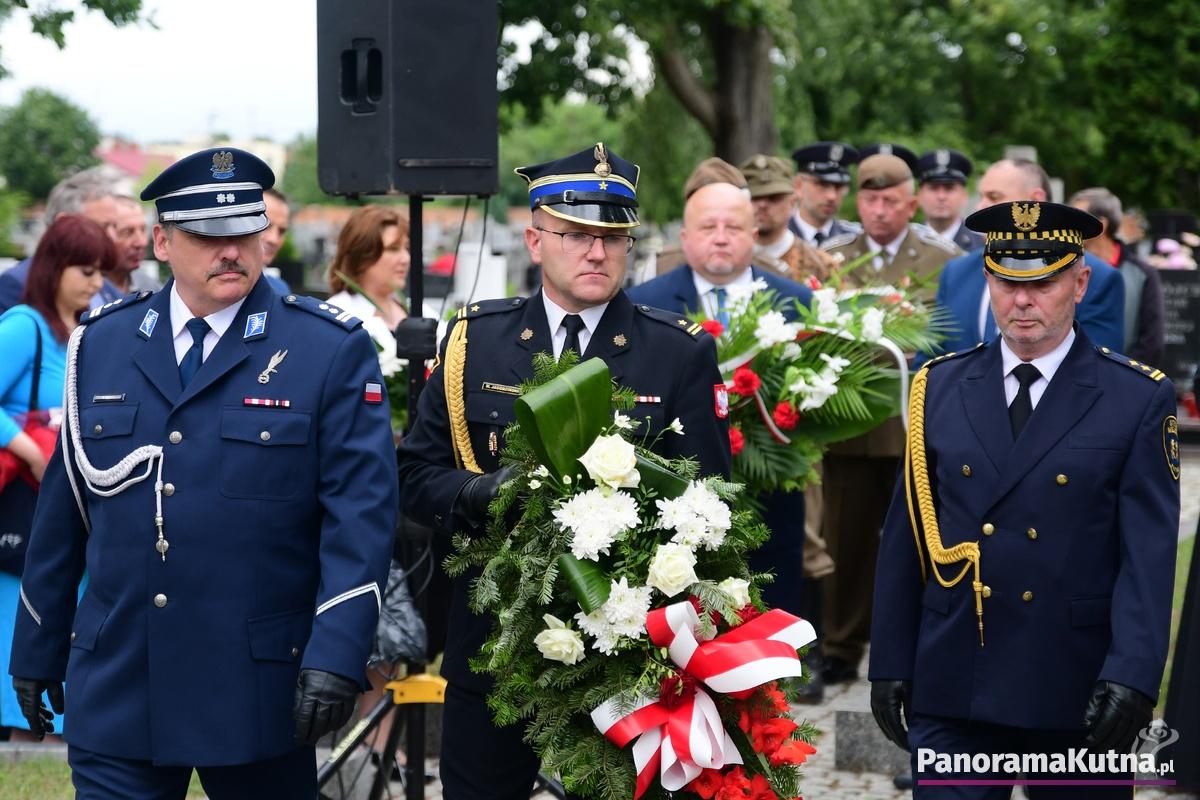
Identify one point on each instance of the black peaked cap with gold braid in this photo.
(592, 187)
(1032, 240)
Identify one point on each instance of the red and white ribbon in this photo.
(679, 743)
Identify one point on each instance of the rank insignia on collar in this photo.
(256, 325)
(619, 340)
(1171, 444)
(526, 334)
(276, 360)
(148, 323)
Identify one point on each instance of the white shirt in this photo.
(706, 289)
(808, 231)
(558, 334)
(952, 231)
(1047, 365)
(891, 249)
(218, 323)
(777, 249)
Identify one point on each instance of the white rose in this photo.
(558, 642)
(673, 569)
(737, 589)
(612, 462)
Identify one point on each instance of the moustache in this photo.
(226, 267)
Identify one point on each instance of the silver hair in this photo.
(70, 195)
(1102, 203)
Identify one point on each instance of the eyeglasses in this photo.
(576, 243)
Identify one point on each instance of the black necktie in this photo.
(818, 237)
(194, 357)
(574, 324)
(1022, 404)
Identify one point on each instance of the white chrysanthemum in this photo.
(626, 608)
(596, 520)
(872, 324)
(595, 625)
(825, 302)
(773, 328)
(699, 517)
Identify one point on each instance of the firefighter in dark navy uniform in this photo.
(584, 206)
(1024, 582)
(226, 477)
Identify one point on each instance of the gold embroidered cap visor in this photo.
(1029, 241)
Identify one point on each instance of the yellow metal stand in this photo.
(419, 688)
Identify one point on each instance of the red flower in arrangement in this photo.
(737, 442)
(769, 735)
(739, 786)
(675, 688)
(707, 784)
(813, 283)
(792, 751)
(747, 613)
(745, 381)
(802, 335)
(713, 326)
(892, 299)
(786, 416)
(775, 698)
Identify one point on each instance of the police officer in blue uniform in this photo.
(1023, 604)
(822, 182)
(226, 478)
(584, 206)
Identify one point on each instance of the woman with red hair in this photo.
(64, 274)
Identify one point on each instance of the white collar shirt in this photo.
(558, 334)
(1047, 365)
(706, 289)
(218, 323)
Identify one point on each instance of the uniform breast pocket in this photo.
(263, 452)
(1097, 441)
(106, 430)
(489, 413)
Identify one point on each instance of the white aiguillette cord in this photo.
(115, 479)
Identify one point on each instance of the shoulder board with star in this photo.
(326, 311)
(673, 320)
(931, 237)
(482, 308)
(841, 240)
(1148, 371)
(955, 354)
(116, 305)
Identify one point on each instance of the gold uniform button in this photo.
(967, 470)
(988, 529)
(98, 429)
(168, 489)
(175, 438)
(160, 600)
(987, 591)
(1061, 480)
(265, 436)
(1031, 533)
(1027, 595)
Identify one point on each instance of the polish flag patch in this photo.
(373, 392)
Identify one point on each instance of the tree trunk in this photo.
(737, 111)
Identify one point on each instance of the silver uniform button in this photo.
(160, 600)
(98, 429)
(168, 489)
(295, 652)
(176, 437)
(265, 436)
(72, 636)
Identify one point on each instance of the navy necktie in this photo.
(1022, 404)
(818, 238)
(722, 309)
(574, 324)
(194, 357)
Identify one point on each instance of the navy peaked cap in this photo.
(943, 166)
(829, 161)
(592, 187)
(216, 192)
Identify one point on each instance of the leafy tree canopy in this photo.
(43, 139)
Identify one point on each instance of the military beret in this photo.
(829, 161)
(592, 187)
(889, 149)
(713, 170)
(882, 172)
(767, 175)
(1029, 241)
(216, 192)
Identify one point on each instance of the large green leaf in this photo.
(562, 418)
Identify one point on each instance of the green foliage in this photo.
(49, 18)
(43, 139)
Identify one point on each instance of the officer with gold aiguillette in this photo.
(584, 207)
(226, 477)
(1023, 589)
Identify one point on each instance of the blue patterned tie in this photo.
(722, 311)
(194, 357)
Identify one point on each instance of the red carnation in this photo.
(737, 442)
(786, 416)
(745, 381)
(713, 326)
(747, 613)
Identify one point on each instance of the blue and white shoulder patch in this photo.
(335, 314)
(121, 302)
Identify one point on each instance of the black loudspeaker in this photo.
(406, 96)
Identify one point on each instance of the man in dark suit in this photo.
(584, 206)
(822, 182)
(1042, 493)
(226, 478)
(942, 175)
(718, 241)
(963, 292)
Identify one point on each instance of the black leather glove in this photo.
(1114, 716)
(29, 698)
(890, 703)
(324, 701)
(477, 494)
